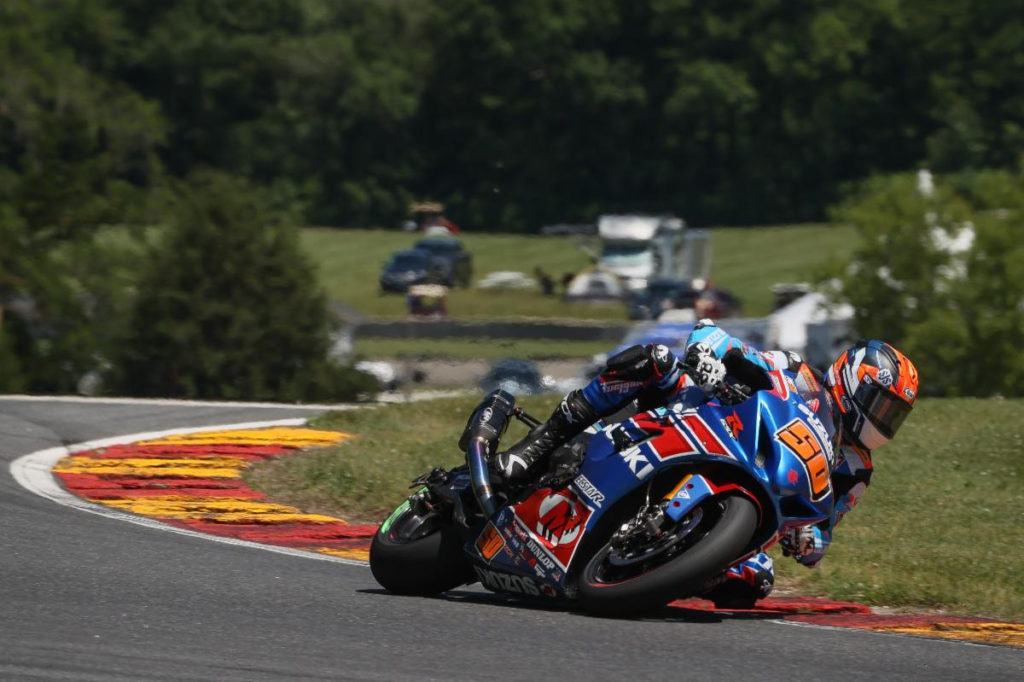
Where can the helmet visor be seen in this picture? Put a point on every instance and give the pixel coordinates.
(882, 407)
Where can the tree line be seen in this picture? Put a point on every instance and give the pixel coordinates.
(142, 142)
(513, 114)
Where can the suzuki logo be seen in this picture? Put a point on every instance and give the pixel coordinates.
(637, 462)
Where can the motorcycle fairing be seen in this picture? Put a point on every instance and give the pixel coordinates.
(773, 436)
(534, 540)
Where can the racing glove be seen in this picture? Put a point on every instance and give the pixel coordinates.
(806, 544)
(706, 369)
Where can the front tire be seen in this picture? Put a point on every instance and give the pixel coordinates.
(606, 589)
(418, 554)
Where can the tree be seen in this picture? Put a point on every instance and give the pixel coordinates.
(942, 277)
(229, 307)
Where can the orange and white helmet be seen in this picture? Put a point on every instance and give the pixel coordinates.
(875, 387)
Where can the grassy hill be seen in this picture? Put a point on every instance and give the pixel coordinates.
(747, 261)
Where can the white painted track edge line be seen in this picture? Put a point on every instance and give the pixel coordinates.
(34, 473)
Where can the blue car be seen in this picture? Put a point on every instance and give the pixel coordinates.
(406, 268)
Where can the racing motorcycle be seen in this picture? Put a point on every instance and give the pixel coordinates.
(631, 515)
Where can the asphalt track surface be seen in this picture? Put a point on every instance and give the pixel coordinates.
(85, 597)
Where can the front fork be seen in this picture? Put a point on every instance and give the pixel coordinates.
(680, 507)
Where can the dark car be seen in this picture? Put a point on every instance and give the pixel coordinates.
(406, 268)
(661, 295)
(518, 377)
(451, 261)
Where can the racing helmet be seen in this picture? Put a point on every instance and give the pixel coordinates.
(875, 386)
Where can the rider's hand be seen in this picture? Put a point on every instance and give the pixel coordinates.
(798, 542)
(706, 370)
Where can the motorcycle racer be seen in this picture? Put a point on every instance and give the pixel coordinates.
(869, 390)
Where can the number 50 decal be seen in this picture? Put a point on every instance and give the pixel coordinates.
(801, 440)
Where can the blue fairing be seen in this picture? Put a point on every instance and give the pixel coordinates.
(759, 448)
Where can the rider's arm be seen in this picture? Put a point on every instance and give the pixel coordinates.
(743, 363)
(651, 368)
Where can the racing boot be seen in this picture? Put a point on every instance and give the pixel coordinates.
(742, 585)
(522, 462)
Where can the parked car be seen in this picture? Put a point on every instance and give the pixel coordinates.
(406, 268)
(453, 263)
(665, 295)
(518, 377)
(659, 296)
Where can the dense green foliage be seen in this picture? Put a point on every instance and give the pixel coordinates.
(514, 114)
(228, 307)
(942, 276)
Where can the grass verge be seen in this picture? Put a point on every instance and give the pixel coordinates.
(942, 525)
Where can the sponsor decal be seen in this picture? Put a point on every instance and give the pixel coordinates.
(489, 543)
(620, 386)
(716, 337)
(819, 431)
(661, 353)
(885, 377)
(555, 521)
(503, 582)
(540, 555)
(486, 414)
(733, 425)
(558, 520)
(909, 393)
(847, 405)
(589, 490)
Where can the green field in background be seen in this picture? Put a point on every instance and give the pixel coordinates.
(941, 526)
(746, 261)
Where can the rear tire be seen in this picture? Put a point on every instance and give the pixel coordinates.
(419, 556)
(602, 592)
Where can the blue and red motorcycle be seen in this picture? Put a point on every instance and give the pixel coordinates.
(631, 515)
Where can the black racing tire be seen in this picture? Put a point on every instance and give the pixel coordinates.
(722, 543)
(424, 566)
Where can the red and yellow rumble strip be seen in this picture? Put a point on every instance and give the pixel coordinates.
(818, 611)
(194, 481)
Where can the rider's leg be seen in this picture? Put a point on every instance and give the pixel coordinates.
(520, 462)
(636, 369)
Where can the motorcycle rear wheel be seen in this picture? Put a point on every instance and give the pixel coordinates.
(417, 554)
(606, 590)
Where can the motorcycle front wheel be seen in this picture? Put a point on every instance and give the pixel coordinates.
(417, 553)
(615, 583)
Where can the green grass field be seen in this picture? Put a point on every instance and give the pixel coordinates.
(747, 261)
(942, 525)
